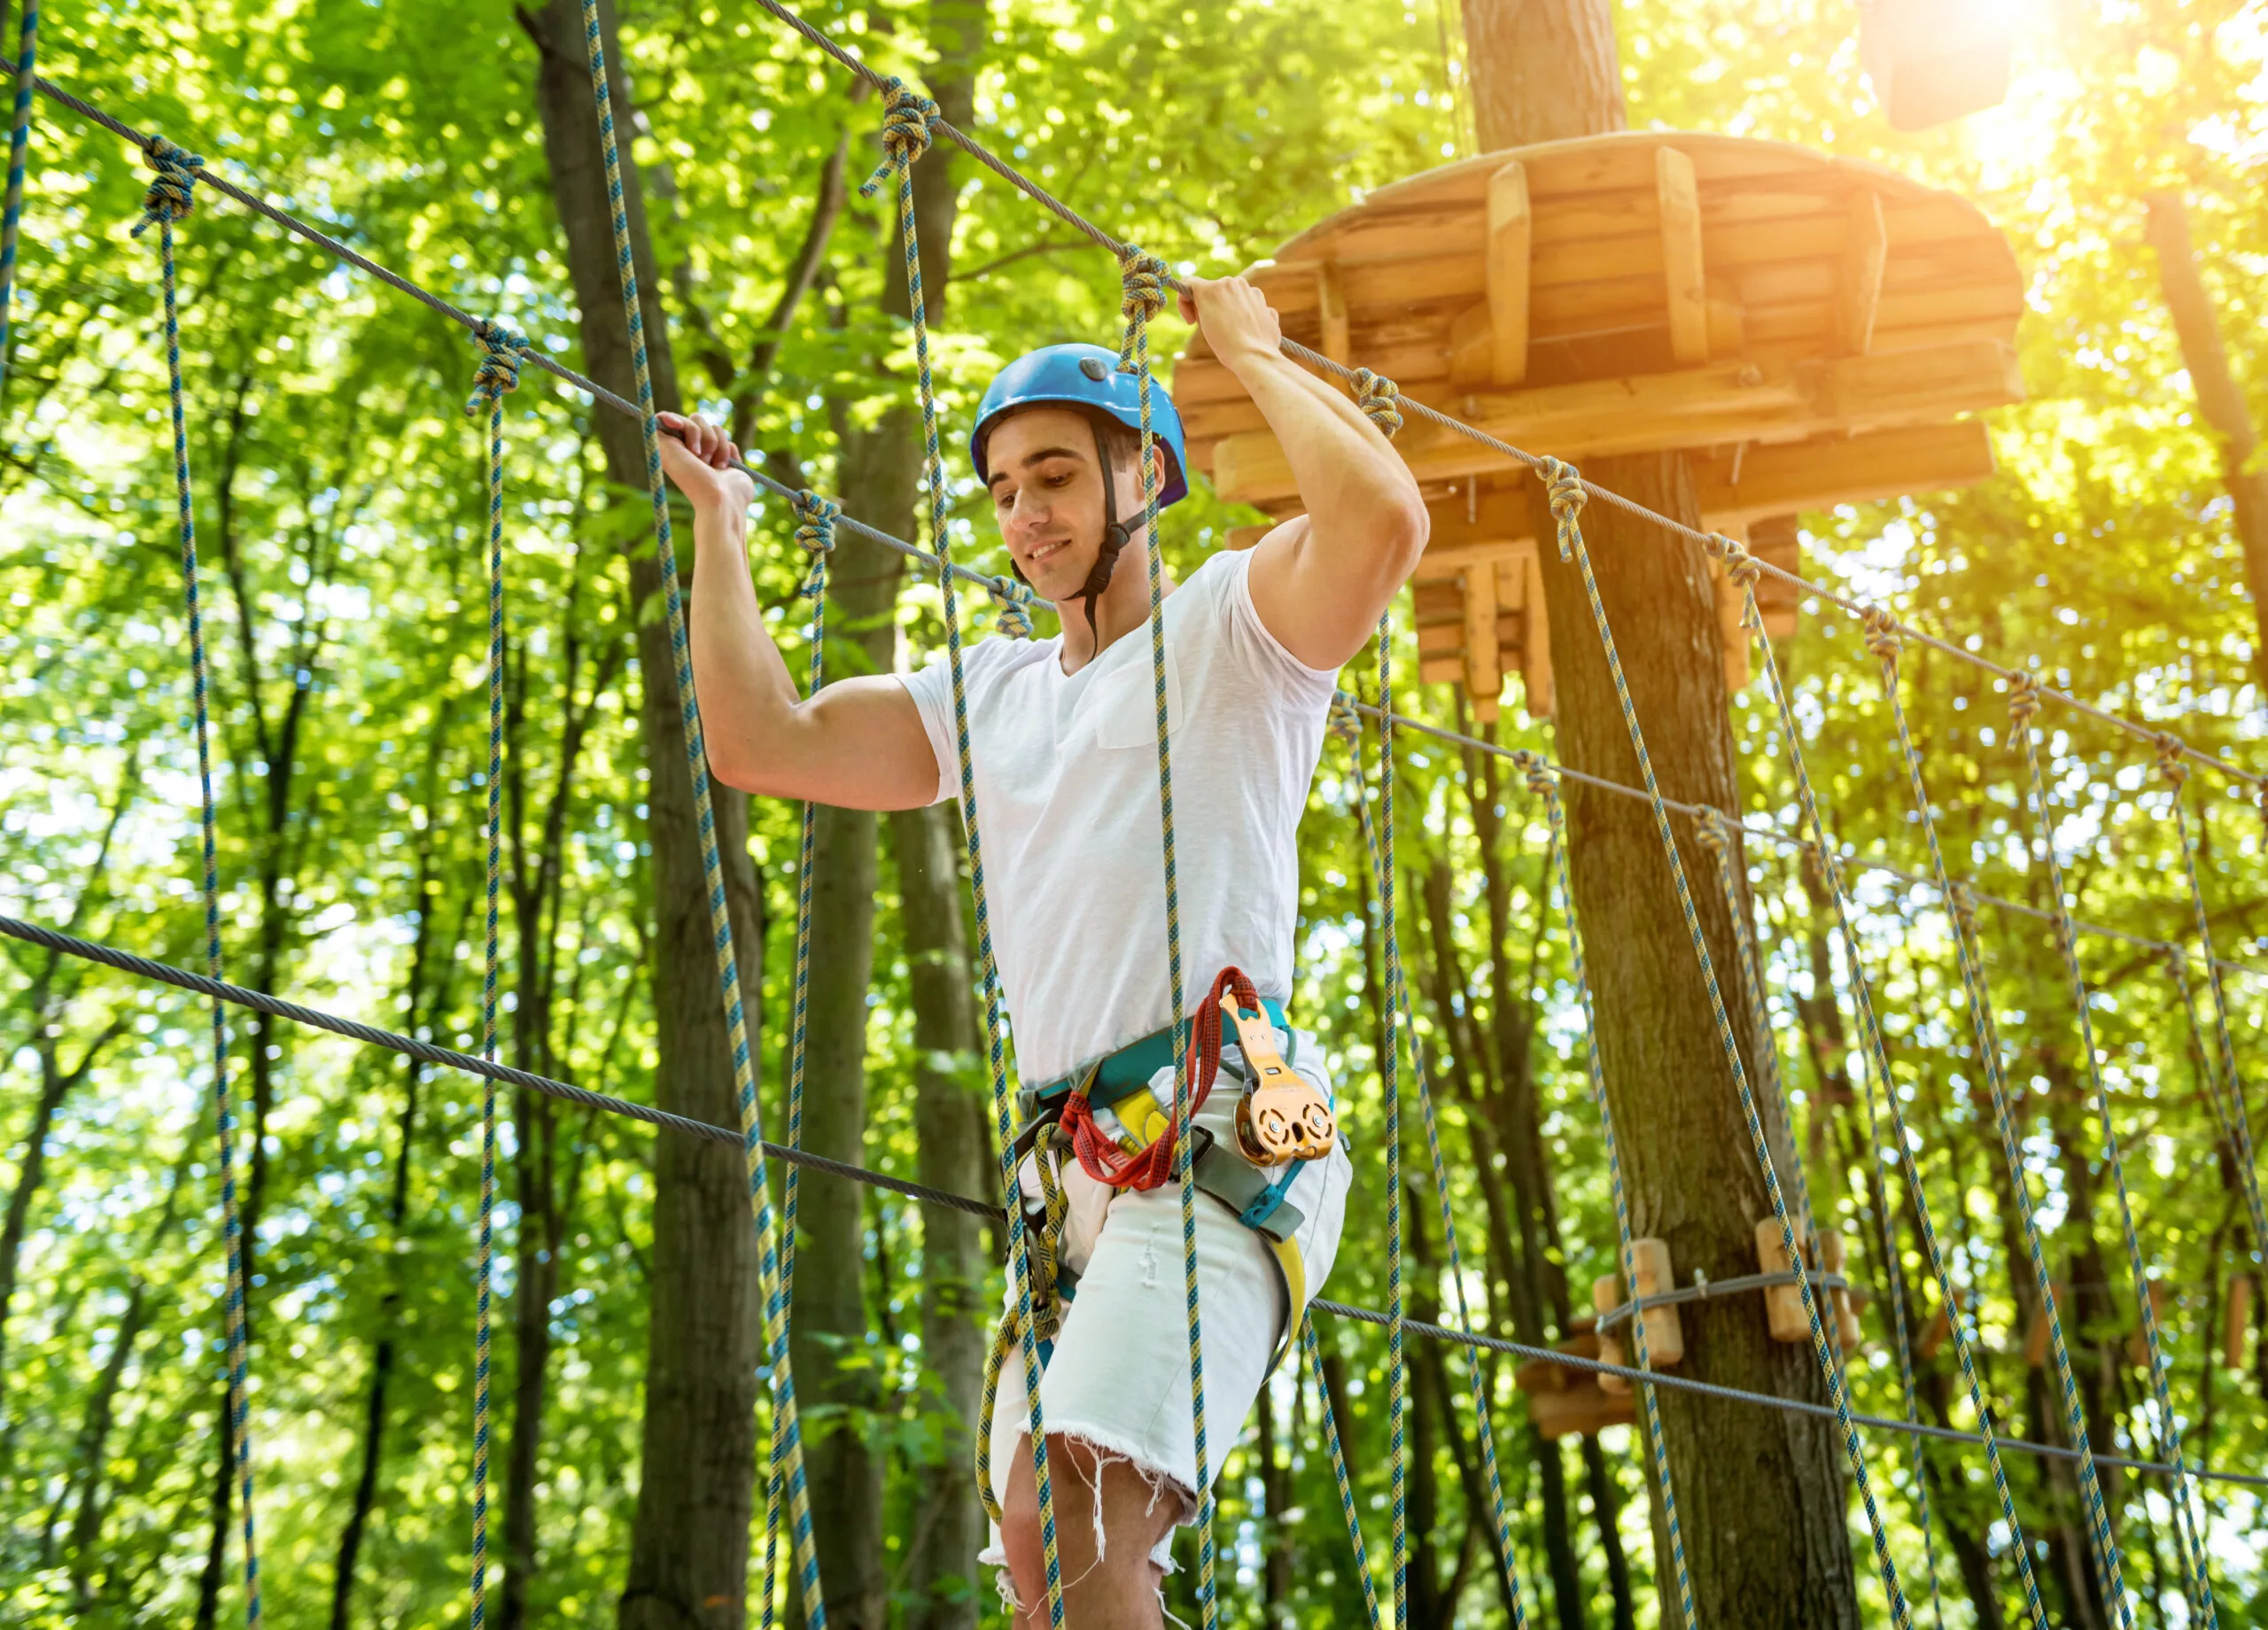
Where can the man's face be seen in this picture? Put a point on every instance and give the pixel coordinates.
(1047, 496)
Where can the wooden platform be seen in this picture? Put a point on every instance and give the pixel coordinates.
(1812, 330)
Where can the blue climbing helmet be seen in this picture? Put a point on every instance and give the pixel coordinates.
(1087, 377)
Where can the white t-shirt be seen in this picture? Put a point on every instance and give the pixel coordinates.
(1066, 796)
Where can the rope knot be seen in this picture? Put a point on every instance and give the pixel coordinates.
(1822, 865)
(2023, 700)
(815, 517)
(1963, 899)
(907, 116)
(1743, 568)
(171, 195)
(1534, 772)
(1712, 833)
(1883, 642)
(1345, 724)
(498, 370)
(1141, 296)
(1563, 485)
(1377, 396)
(2176, 963)
(1013, 616)
(2173, 757)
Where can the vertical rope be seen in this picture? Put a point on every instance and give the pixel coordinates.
(170, 198)
(1142, 295)
(1566, 494)
(906, 136)
(815, 518)
(1390, 1086)
(1314, 1350)
(696, 759)
(2023, 706)
(498, 373)
(1538, 775)
(19, 132)
(2175, 768)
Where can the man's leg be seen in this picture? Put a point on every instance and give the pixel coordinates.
(1112, 1586)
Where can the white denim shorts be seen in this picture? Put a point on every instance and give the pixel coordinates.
(1119, 1377)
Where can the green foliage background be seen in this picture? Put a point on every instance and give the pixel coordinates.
(344, 584)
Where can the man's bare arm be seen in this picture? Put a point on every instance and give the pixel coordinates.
(1319, 582)
(857, 744)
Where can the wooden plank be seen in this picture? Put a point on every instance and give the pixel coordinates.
(1472, 348)
(1832, 1258)
(1484, 681)
(1443, 639)
(1536, 648)
(1507, 272)
(2239, 1315)
(1866, 252)
(1449, 563)
(1784, 1304)
(1330, 306)
(1685, 290)
(1500, 511)
(1894, 387)
(1440, 670)
(1817, 475)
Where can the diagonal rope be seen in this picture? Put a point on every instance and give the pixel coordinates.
(1566, 494)
(499, 372)
(2024, 707)
(815, 518)
(1314, 1350)
(171, 198)
(696, 762)
(1541, 783)
(2237, 1124)
(20, 130)
(906, 136)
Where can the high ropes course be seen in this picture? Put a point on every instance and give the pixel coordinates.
(911, 125)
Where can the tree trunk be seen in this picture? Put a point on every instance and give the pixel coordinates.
(689, 1537)
(1761, 1496)
(2220, 399)
(953, 1153)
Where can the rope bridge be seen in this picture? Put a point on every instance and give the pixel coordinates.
(910, 123)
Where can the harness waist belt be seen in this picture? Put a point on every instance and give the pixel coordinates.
(1118, 1074)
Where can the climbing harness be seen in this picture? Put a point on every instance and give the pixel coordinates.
(721, 923)
(499, 372)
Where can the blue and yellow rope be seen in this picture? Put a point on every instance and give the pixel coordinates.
(775, 1308)
(1566, 494)
(20, 131)
(1314, 1351)
(499, 372)
(171, 198)
(906, 136)
(2023, 706)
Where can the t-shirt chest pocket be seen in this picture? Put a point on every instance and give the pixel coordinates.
(1125, 703)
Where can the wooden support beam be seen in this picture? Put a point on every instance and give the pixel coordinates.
(1858, 294)
(1679, 197)
(1331, 304)
(1784, 1304)
(2240, 1316)
(1718, 405)
(1665, 1336)
(1579, 1410)
(1510, 235)
(1484, 681)
(1536, 647)
(1792, 478)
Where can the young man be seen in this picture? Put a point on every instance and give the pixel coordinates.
(1063, 737)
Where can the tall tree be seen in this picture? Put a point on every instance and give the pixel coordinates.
(1760, 1492)
(688, 1542)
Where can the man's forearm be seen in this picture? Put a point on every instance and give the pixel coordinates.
(1357, 493)
(748, 697)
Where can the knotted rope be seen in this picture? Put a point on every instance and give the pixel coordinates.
(173, 192)
(1344, 722)
(164, 206)
(1403, 1018)
(1012, 613)
(2024, 707)
(1141, 296)
(907, 116)
(1883, 642)
(1565, 493)
(498, 372)
(721, 923)
(1378, 397)
(905, 133)
(11, 212)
